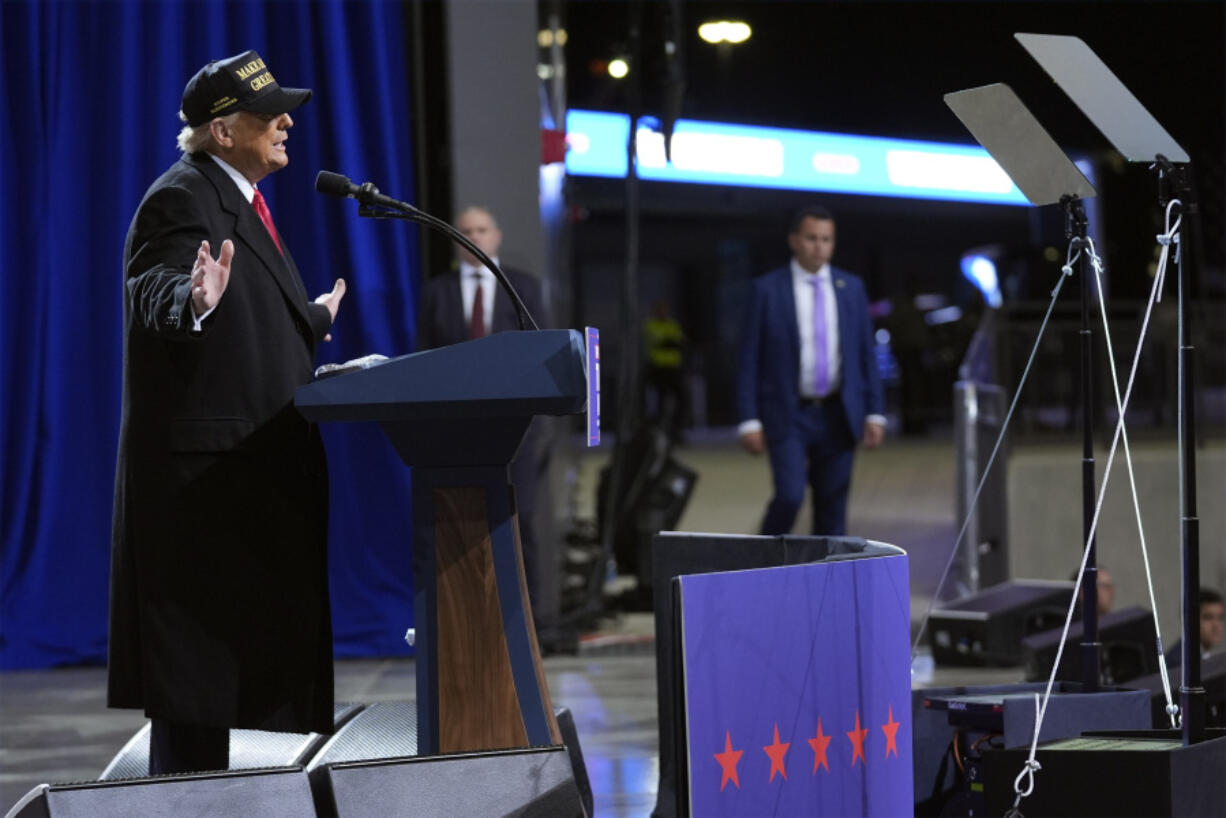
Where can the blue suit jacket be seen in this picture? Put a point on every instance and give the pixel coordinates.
(769, 358)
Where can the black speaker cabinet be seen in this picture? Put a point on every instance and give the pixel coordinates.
(364, 734)
(986, 628)
(1212, 679)
(1129, 649)
(534, 783)
(249, 749)
(274, 793)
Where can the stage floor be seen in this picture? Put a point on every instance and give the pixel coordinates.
(54, 726)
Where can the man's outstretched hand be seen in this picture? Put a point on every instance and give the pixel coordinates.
(332, 300)
(210, 276)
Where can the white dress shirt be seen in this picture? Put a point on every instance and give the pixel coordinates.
(470, 275)
(802, 287)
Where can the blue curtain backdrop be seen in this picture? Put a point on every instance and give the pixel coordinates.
(89, 117)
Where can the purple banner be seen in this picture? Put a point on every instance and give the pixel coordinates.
(798, 689)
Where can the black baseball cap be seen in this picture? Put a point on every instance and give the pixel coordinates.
(239, 83)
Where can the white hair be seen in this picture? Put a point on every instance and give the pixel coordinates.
(193, 139)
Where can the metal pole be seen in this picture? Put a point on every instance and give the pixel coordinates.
(1191, 692)
(1091, 648)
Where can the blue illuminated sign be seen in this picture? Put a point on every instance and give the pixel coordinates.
(723, 154)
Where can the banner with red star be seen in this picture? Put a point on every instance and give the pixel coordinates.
(798, 689)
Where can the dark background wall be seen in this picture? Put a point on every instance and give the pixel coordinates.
(881, 69)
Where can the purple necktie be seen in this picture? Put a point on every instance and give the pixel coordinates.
(821, 368)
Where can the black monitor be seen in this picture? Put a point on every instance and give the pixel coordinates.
(1129, 648)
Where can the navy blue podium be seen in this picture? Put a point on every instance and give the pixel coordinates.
(457, 415)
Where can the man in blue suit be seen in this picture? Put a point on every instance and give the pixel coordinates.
(807, 385)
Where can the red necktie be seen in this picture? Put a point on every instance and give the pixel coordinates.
(477, 329)
(261, 207)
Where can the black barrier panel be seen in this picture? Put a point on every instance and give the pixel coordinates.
(278, 793)
(535, 783)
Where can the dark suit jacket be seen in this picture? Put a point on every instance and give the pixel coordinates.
(442, 320)
(769, 357)
(442, 323)
(219, 587)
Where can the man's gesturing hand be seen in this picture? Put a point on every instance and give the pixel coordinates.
(209, 277)
(332, 300)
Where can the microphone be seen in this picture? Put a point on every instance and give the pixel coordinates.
(333, 184)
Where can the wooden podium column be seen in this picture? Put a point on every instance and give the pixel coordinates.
(480, 683)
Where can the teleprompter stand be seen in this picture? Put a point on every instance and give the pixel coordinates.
(457, 414)
(1045, 175)
(1134, 772)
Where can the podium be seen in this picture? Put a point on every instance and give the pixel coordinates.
(457, 415)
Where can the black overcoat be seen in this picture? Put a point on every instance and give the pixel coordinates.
(219, 588)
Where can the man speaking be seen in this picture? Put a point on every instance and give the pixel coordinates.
(219, 584)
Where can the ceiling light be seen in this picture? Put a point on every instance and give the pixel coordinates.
(546, 37)
(725, 31)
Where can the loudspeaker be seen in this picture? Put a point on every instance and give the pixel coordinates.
(652, 496)
(1129, 649)
(371, 735)
(522, 783)
(249, 749)
(1212, 679)
(273, 793)
(987, 628)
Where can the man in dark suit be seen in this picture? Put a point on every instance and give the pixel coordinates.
(467, 303)
(807, 385)
(219, 585)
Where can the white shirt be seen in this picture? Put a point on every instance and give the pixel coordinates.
(802, 287)
(248, 190)
(244, 185)
(470, 275)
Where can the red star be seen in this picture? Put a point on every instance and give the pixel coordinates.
(857, 737)
(890, 728)
(819, 744)
(776, 751)
(728, 760)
